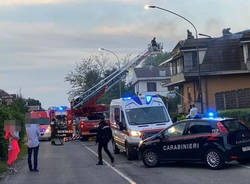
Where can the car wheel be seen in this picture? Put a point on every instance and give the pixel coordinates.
(150, 158)
(129, 153)
(84, 138)
(214, 159)
(115, 148)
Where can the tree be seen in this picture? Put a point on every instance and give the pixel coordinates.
(33, 102)
(90, 71)
(86, 74)
(156, 60)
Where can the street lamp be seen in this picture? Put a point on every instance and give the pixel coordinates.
(110, 51)
(196, 37)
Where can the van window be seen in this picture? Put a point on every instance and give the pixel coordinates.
(117, 114)
(147, 115)
(123, 121)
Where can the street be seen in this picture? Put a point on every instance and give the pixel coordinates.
(75, 162)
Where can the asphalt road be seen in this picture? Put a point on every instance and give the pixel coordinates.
(75, 163)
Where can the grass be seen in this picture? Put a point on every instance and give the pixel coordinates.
(3, 166)
(23, 152)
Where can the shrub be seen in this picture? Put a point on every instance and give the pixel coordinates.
(15, 111)
(241, 114)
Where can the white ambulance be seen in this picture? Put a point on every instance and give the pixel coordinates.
(133, 119)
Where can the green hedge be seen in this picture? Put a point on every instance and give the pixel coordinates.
(241, 114)
(16, 111)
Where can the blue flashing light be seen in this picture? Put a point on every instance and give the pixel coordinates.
(211, 114)
(148, 99)
(127, 98)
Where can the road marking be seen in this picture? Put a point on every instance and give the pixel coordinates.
(114, 169)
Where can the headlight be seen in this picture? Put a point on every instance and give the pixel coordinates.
(135, 133)
(47, 130)
(140, 143)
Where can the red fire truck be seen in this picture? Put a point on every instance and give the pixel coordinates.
(64, 118)
(42, 118)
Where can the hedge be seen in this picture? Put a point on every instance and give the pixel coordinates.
(16, 111)
(241, 114)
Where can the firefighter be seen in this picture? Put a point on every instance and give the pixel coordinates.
(53, 131)
(104, 135)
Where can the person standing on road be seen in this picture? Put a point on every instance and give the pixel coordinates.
(33, 132)
(53, 131)
(13, 149)
(193, 112)
(104, 135)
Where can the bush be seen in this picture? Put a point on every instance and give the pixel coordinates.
(241, 114)
(16, 111)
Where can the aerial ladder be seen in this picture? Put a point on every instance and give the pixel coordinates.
(88, 98)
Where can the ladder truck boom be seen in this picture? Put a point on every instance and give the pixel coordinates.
(90, 96)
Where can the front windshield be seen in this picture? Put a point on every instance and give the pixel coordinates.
(147, 115)
(40, 121)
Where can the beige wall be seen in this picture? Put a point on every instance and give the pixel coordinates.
(224, 83)
(214, 85)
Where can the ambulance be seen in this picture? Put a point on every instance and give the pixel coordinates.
(135, 118)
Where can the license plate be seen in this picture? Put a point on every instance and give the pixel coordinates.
(62, 131)
(247, 148)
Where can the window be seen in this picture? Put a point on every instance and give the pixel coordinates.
(151, 86)
(117, 115)
(194, 59)
(199, 128)
(234, 125)
(123, 121)
(175, 131)
(248, 49)
(147, 115)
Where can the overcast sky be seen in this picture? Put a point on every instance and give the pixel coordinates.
(41, 40)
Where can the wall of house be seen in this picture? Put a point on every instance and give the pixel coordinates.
(141, 88)
(190, 95)
(221, 84)
(210, 86)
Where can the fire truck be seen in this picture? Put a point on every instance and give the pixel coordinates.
(84, 108)
(64, 119)
(42, 118)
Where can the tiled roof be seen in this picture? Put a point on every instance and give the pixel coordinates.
(3, 93)
(151, 71)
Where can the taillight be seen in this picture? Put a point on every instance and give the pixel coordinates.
(222, 128)
(82, 125)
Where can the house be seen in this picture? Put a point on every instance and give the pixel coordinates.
(8, 98)
(150, 80)
(223, 69)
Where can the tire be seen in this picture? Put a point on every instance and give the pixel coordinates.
(115, 148)
(84, 138)
(150, 158)
(129, 152)
(214, 159)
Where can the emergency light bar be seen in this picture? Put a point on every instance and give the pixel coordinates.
(148, 99)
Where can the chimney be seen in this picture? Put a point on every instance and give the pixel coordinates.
(226, 32)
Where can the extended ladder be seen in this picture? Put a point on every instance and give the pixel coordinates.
(104, 85)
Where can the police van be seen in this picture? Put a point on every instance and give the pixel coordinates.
(213, 141)
(135, 118)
